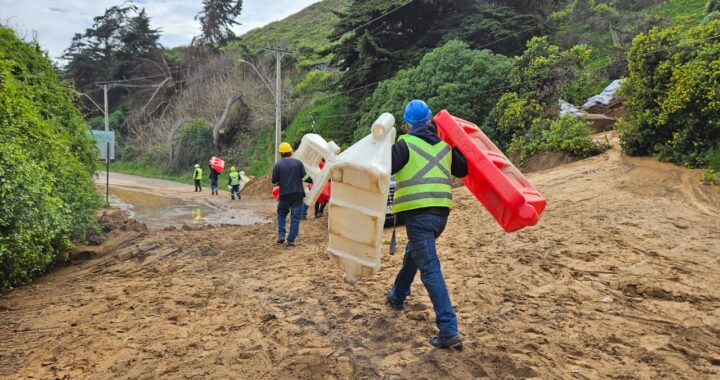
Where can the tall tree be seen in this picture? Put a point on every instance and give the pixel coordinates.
(378, 37)
(216, 20)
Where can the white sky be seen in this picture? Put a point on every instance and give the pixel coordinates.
(56, 21)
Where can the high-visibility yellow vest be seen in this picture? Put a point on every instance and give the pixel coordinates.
(198, 173)
(234, 178)
(425, 180)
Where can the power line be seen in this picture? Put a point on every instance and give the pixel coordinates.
(510, 36)
(371, 21)
(140, 78)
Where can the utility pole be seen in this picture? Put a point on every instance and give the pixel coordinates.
(107, 117)
(279, 54)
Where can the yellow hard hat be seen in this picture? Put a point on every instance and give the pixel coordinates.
(285, 148)
(232, 169)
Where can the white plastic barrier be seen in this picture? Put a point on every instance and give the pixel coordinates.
(313, 149)
(361, 181)
(244, 180)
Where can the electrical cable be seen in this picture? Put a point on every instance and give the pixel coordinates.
(371, 21)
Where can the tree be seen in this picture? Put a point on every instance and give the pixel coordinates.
(216, 21)
(389, 35)
(452, 77)
(121, 44)
(712, 10)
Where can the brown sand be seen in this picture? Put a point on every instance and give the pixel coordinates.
(619, 280)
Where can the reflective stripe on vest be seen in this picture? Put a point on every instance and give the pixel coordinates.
(425, 180)
(234, 178)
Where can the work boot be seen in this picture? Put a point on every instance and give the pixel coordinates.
(394, 304)
(291, 243)
(453, 341)
(280, 240)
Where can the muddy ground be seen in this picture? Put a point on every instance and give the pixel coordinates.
(619, 280)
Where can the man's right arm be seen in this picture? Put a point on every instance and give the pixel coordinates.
(400, 156)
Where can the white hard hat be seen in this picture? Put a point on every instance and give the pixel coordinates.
(197, 165)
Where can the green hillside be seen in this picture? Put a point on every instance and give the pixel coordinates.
(308, 31)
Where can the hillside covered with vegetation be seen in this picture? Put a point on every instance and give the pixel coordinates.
(504, 65)
(308, 32)
(47, 161)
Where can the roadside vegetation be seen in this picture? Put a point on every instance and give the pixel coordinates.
(47, 161)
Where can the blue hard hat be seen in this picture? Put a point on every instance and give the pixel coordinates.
(417, 112)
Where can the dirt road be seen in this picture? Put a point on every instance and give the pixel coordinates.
(619, 280)
(159, 203)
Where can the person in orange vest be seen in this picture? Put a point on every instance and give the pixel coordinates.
(422, 164)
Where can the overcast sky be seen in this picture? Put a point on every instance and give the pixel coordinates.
(56, 21)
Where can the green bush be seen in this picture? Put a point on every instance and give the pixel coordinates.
(194, 145)
(671, 102)
(566, 134)
(47, 162)
(452, 77)
(511, 116)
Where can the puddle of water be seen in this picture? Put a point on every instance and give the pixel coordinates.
(159, 212)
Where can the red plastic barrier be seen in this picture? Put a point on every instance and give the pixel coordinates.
(276, 193)
(217, 164)
(325, 195)
(509, 197)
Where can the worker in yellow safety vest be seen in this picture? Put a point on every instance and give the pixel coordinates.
(422, 164)
(234, 183)
(197, 176)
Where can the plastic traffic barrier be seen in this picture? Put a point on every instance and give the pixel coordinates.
(509, 197)
(360, 185)
(217, 164)
(276, 193)
(312, 151)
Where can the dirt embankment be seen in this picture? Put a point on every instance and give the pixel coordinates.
(619, 280)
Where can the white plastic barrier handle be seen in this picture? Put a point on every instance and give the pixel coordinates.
(383, 125)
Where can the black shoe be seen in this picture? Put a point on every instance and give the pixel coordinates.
(280, 240)
(392, 302)
(290, 243)
(453, 341)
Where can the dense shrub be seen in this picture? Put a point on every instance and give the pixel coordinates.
(46, 164)
(671, 94)
(522, 121)
(195, 146)
(452, 77)
(511, 116)
(567, 134)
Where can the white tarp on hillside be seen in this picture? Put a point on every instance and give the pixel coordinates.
(569, 109)
(605, 97)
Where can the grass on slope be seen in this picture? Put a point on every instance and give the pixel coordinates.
(307, 31)
(678, 8)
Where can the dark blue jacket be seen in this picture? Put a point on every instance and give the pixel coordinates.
(289, 174)
(213, 174)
